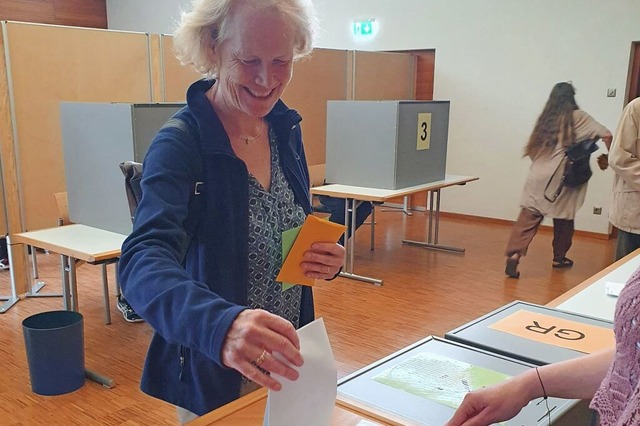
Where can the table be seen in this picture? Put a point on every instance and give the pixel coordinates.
(357, 194)
(249, 411)
(589, 297)
(77, 243)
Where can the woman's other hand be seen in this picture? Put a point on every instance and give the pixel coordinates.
(490, 405)
(323, 261)
(251, 341)
(603, 161)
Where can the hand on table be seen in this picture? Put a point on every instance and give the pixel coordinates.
(489, 405)
(252, 338)
(323, 261)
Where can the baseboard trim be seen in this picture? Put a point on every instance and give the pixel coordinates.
(544, 228)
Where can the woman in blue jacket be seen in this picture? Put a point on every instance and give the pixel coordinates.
(221, 181)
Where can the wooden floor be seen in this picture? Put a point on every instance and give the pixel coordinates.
(425, 292)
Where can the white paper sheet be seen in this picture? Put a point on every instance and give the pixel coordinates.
(613, 289)
(311, 398)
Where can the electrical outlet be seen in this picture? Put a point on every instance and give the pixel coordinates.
(597, 210)
(611, 93)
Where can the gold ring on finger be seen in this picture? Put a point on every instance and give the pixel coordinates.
(261, 358)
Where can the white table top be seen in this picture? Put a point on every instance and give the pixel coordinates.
(78, 241)
(592, 299)
(381, 195)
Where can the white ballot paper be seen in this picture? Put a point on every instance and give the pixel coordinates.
(311, 398)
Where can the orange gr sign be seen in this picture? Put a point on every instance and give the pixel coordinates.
(556, 331)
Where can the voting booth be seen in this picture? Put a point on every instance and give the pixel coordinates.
(423, 384)
(386, 144)
(96, 138)
(535, 334)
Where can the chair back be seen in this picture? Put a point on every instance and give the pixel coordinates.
(132, 176)
(62, 205)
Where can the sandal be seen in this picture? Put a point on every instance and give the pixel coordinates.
(512, 267)
(565, 262)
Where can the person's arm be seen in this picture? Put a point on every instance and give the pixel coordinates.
(623, 155)
(574, 379)
(607, 138)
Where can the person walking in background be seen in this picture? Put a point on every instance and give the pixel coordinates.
(623, 159)
(561, 124)
(202, 271)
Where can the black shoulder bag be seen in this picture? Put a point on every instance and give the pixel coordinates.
(574, 167)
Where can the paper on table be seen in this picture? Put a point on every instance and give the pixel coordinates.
(613, 289)
(313, 230)
(312, 397)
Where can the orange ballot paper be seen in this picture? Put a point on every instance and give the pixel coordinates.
(314, 230)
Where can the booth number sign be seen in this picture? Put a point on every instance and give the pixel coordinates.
(424, 130)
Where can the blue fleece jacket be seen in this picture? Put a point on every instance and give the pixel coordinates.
(184, 267)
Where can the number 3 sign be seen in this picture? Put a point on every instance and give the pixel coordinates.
(424, 130)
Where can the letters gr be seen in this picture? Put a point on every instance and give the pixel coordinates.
(560, 333)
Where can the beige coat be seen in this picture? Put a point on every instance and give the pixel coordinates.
(542, 168)
(623, 159)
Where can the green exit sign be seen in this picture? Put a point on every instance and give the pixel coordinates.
(363, 28)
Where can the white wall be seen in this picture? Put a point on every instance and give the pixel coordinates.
(148, 16)
(496, 61)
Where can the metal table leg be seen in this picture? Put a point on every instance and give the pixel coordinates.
(72, 286)
(13, 298)
(36, 286)
(347, 271)
(433, 229)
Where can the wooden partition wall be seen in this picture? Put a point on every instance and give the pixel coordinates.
(47, 65)
(383, 76)
(321, 77)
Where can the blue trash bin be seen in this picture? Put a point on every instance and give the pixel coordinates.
(55, 351)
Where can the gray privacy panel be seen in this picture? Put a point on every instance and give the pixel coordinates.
(374, 143)
(96, 138)
(413, 409)
(414, 166)
(360, 143)
(147, 120)
(477, 333)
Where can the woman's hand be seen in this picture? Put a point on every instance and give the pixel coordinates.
(323, 261)
(250, 342)
(490, 405)
(603, 161)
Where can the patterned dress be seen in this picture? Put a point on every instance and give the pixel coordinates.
(271, 213)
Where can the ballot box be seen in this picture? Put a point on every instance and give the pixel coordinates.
(535, 334)
(386, 144)
(423, 383)
(96, 138)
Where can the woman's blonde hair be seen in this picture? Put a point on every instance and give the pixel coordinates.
(206, 26)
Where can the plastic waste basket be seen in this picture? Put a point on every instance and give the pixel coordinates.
(54, 342)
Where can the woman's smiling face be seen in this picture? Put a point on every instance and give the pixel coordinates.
(255, 62)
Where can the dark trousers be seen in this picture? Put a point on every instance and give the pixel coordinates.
(627, 242)
(526, 227)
